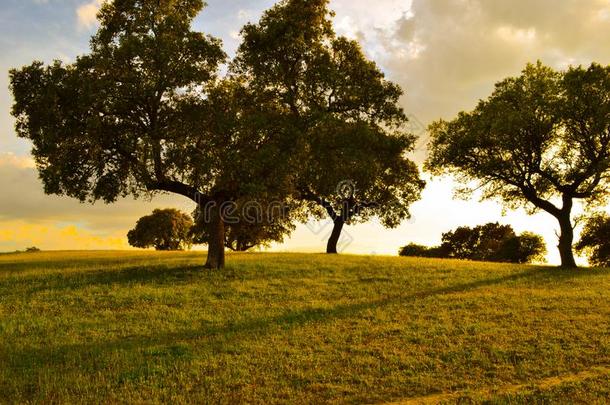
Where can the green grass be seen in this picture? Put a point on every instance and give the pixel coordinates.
(273, 328)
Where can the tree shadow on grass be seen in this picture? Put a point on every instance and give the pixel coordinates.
(53, 264)
(158, 275)
(176, 271)
(217, 335)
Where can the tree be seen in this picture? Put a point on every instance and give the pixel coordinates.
(465, 243)
(542, 136)
(595, 240)
(525, 248)
(483, 242)
(490, 242)
(144, 113)
(167, 229)
(349, 125)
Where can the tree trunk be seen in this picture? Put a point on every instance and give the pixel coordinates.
(331, 247)
(566, 241)
(216, 245)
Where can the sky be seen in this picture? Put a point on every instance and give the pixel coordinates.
(446, 55)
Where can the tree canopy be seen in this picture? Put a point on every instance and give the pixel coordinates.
(541, 140)
(145, 111)
(349, 126)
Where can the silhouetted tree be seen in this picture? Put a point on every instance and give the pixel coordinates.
(490, 242)
(483, 242)
(540, 136)
(144, 113)
(595, 240)
(349, 125)
(167, 229)
(524, 248)
(415, 250)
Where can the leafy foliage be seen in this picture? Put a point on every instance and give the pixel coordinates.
(109, 124)
(167, 229)
(540, 136)
(490, 242)
(595, 240)
(345, 113)
(415, 250)
(251, 224)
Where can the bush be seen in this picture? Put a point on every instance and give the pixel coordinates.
(525, 248)
(167, 229)
(490, 242)
(415, 250)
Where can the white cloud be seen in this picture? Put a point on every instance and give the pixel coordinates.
(87, 14)
(371, 24)
(449, 53)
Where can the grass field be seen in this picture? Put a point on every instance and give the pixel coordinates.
(273, 328)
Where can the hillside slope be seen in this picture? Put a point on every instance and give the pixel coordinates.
(151, 327)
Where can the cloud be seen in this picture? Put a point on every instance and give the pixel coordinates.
(87, 14)
(23, 199)
(369, 24)
(14, 161)
(449, 53)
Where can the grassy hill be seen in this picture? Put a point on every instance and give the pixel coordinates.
(150, 327)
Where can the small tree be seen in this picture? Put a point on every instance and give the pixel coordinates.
(343, 112)
(595, 240)
(540, 137)
(482, 242)
(525, 248)
(167, 229)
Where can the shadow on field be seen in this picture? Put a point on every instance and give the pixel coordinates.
(215, 336)
(69, 277)
(52, 265)
(163, 274)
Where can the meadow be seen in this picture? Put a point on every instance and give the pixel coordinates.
(147, 327)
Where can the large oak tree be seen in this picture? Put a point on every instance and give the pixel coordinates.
(351, 130)
(542, 139)
(144, 112)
